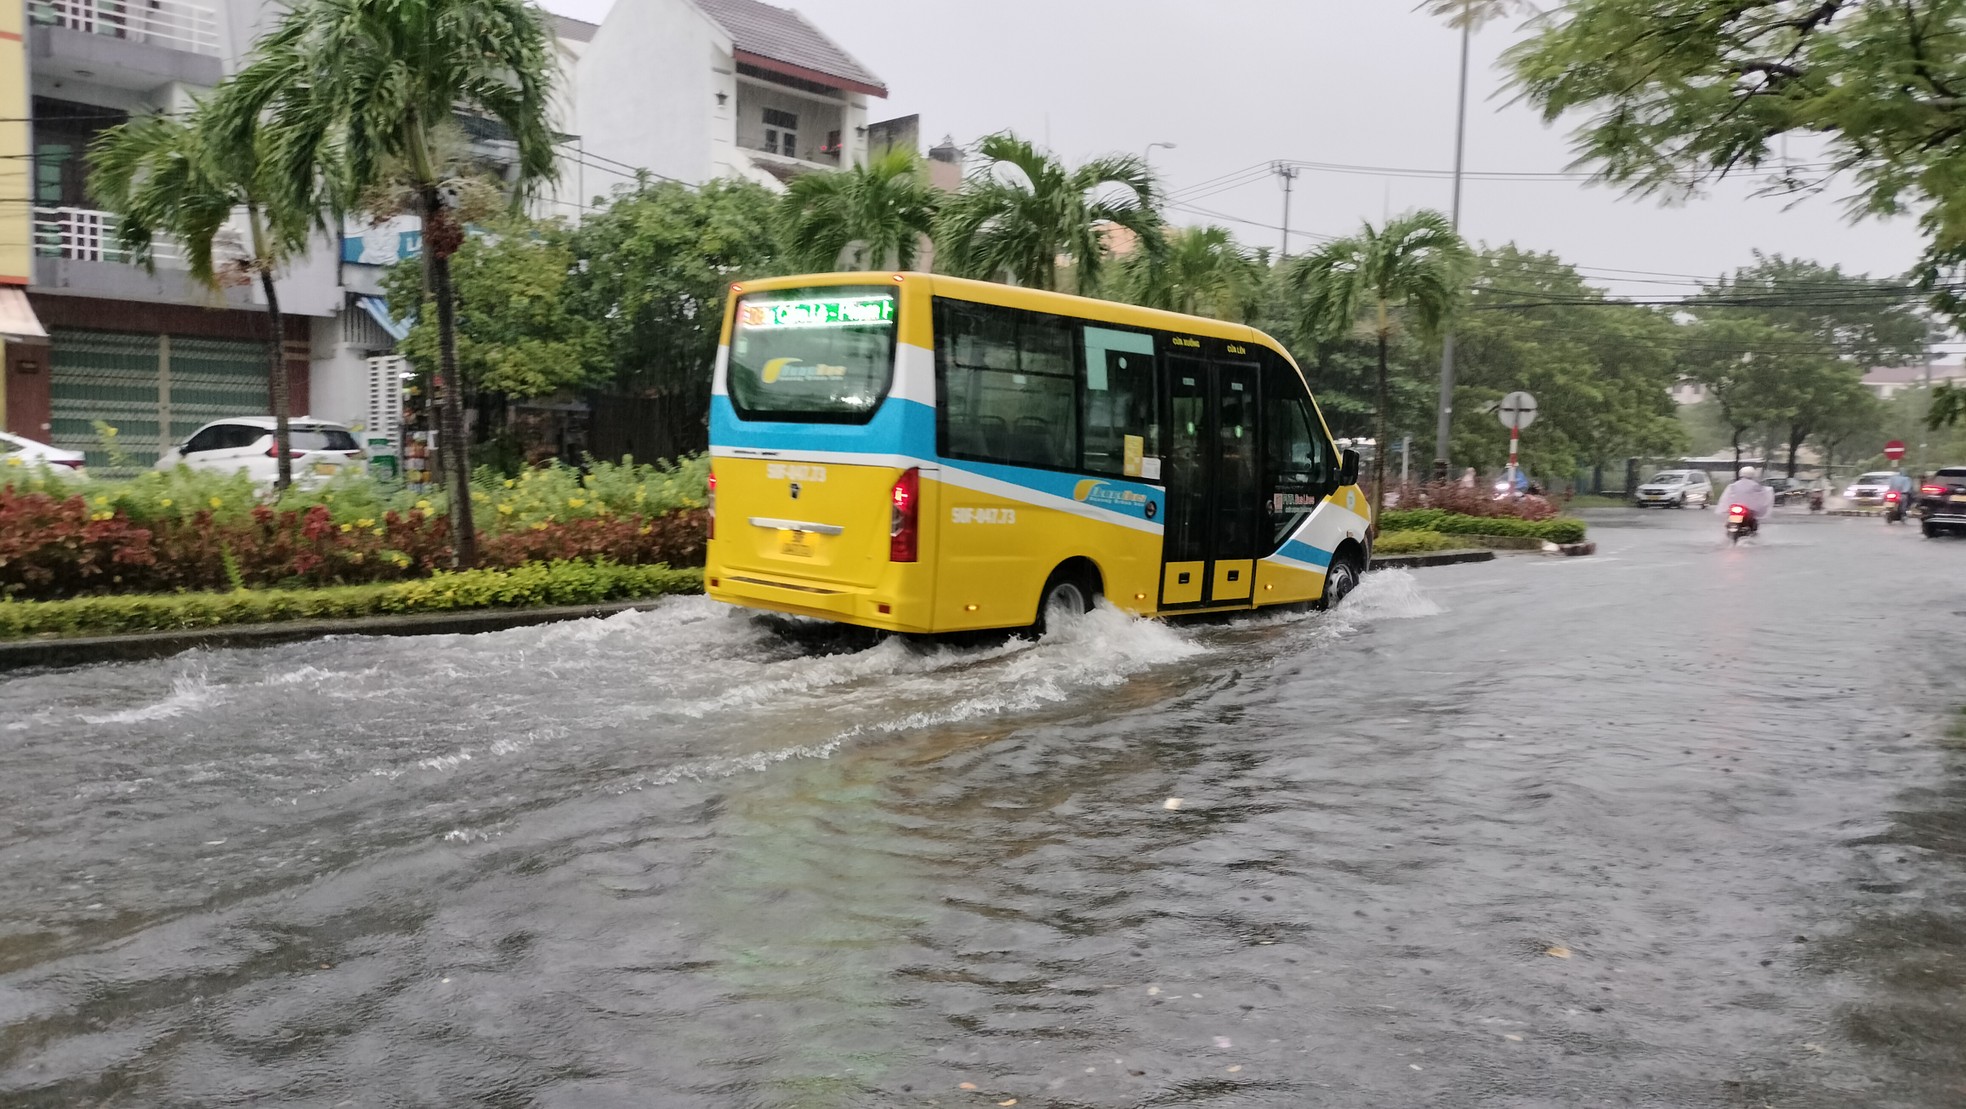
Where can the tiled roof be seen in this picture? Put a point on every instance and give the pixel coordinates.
(784, 36)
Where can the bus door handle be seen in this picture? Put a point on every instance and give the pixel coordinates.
(796, 525)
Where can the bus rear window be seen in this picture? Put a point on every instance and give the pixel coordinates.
(822, 354)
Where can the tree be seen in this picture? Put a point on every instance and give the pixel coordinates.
(654, 272)
(186, 179)
(357, 92)
(1746, 366)
(1948, 406)
(1683, 91)
(1413, 268)
(1202, 271)
(1850, 316)
(515, 334)
(1601, 371)
(1024, 211)
(869, 217)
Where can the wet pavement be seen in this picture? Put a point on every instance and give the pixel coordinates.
(1675, 825)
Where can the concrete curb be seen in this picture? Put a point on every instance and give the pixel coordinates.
(51, 651)
(1430, 558)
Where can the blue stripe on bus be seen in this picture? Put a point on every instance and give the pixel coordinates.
(898, 427)
(1303, 552)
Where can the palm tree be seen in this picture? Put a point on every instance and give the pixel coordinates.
(1202, 271)
(1414, 267)
(1020, 226)
(180, 178)
(867, 217)
(361, 93)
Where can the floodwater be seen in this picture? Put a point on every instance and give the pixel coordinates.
(1677, 825)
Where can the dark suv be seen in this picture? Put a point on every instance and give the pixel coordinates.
(1942, 501)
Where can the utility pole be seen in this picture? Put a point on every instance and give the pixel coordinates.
(1289, 174)
(1445, 425)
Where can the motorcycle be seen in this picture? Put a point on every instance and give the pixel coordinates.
(1740, 523)
(1894, 507)
(1815, 500)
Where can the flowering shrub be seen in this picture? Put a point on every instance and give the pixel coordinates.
(1477, 501)
(53, 548)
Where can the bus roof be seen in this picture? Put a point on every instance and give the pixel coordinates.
(1033, 300)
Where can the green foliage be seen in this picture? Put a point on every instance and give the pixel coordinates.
(1948, 407)
(863, 218)
(553, 494)
(544, 584)
(659, 263)
(1024, 210)
(1600, 370)
(1411, 272)
(1560, 529)
(1202, 271)
(1674, 92)
(1410, 542)
(514, 333)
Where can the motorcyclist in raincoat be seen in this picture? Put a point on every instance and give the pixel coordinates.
(1757, 498)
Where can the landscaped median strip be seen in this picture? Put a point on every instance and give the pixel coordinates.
(537, 585)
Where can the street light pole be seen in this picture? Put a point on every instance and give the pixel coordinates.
(1444, 426)
(1147, 158)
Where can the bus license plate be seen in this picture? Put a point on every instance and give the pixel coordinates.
(1959, 498)
(795, 545)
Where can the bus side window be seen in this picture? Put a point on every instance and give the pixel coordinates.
(1008, 385)
(1298, 458)
(1121, 399)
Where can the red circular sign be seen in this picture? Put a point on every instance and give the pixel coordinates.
(1894, 450)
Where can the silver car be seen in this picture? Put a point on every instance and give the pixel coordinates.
(1870, 488)
(1675, 489)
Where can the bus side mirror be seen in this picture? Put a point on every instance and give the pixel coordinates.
(1348, 468)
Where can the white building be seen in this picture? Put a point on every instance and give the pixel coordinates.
(1889, 381)
(699, 89)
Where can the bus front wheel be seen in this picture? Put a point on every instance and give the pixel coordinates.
(1068, 594)
(1341, 578)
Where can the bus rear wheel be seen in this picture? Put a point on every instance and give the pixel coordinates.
(1068, 595)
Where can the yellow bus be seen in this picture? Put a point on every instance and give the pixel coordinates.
(921, 453)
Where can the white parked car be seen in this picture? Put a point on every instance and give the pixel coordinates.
(1675, 489)
(16, 450)
(319, 449)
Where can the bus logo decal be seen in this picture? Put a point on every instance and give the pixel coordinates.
(791, 369)
(1096, 492)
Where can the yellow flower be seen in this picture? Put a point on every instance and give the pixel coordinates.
(102, 500)
(509, 483)
(402, 561)
(15, 460)
(348, 527)
(576, 502)
(646, 529)
(424, 505)
(365, 522)
(217, 502)
(166, 502)
(376, 531)
(505, 510)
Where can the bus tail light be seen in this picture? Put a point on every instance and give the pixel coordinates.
(904, 530)
(711, 504)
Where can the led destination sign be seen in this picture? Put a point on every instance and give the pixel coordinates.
(861, 311)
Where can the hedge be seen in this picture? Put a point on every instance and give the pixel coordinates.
(540, 584)
(1410, 542)
(1562, 529)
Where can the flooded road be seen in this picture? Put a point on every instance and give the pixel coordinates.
(1676, 825)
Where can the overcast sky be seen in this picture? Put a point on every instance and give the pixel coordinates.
(1236, 84)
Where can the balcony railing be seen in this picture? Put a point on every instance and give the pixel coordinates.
(90, 236)
(172, 24)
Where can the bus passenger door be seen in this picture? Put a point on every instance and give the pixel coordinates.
(1210, 540)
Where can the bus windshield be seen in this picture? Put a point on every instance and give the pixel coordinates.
(823, 354)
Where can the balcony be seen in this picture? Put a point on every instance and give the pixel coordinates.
(173, 24)
(133, 45)
(88, 235)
